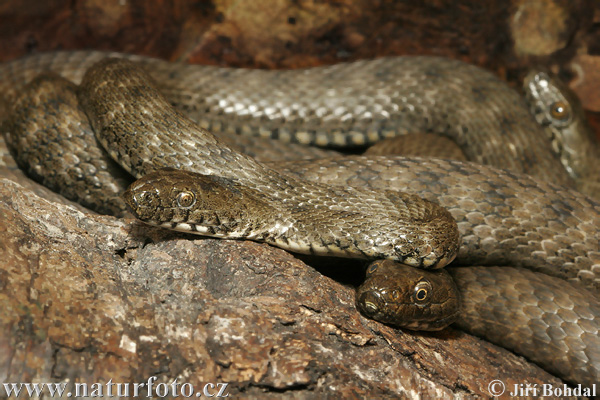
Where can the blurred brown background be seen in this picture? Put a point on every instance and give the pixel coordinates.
(507, 37)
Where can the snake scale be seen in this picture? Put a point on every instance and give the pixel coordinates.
(504, 218)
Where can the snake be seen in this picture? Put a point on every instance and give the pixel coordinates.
(504, 217)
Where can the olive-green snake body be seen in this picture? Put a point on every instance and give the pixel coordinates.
(504, 218)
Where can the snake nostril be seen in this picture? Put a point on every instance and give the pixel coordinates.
(142, 198)
(146, 199)
(370, 302)
(142, 203)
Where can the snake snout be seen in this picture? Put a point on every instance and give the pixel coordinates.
(370, 303)
(142, 200)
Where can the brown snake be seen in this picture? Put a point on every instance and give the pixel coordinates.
(504, 217)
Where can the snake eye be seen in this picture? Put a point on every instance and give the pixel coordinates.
(372, 268)
(560, 110)
(186, 199)
(422, 293)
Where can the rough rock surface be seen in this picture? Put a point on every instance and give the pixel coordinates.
(88, 298)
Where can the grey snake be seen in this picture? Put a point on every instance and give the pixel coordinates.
(504, 218)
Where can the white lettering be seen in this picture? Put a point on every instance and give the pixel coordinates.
(97, 390)
(56, 388)
(136, 388)
(187, 390)
(151, 380)
(222, 390)
(121, 393)
(205, 390)
(546, 389)
(109, 386)
(12, 388)
(162, 390)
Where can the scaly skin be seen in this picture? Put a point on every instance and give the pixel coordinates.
(502, 215)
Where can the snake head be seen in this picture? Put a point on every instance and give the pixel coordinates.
(558, 110)
(190, 202)
(408, 297)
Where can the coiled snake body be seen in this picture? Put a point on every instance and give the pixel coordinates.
(504, 217)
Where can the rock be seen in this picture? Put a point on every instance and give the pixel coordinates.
(585, 84)
(89, 298)
(542, 27)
